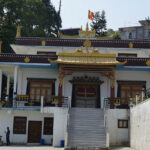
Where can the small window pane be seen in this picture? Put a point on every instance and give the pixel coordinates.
(49, 92)
(122, 123)
(36, 85)
(46, 85)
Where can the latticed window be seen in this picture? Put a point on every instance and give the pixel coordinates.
(129, 89)
(48, 126)
(19, 125)
(40, 87)
(122, 123)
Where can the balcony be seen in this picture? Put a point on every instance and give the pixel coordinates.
(23, 101)
(117, 103)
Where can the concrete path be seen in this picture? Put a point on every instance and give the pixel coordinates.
(47, 148)
(29, 148)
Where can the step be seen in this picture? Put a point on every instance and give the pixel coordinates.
(86, 128)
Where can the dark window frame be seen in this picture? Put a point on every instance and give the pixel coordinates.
(22, 125)
(46, 53)
(123, 120)
(48, 126)
(127, 55)
(130, 35)
(130, 85)
(40, 81)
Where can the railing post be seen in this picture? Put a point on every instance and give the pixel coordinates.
(107, 139)
(42, 103)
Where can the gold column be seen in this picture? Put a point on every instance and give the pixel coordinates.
(112, 90)
(18, 31)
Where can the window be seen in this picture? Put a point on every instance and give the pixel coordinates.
(127, 55)
(40, 87)
(130, 35)
(129, 89)
(48, 126)
(149, 34)
(19, 125)
(46, 53)
(122, 123)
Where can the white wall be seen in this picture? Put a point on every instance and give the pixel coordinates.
(20, 49)
(59, 128)
(6, 120)
(140, 126)
(118, 136)
(133, 76)
(25, 73)
(60, 123)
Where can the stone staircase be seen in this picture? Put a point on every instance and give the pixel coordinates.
(86, 128)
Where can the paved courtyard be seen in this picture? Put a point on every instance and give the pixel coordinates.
(46, 148)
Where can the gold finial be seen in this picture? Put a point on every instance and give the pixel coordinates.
(87, 44)
(27, 60)
(43, 43)
(0, 47)
(148, 62)
(87, 27)
(130, 45)
(18, 31)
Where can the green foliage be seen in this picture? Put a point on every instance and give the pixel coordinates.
(99, 23)
(116, 34)
(110, 32)
(38, 18)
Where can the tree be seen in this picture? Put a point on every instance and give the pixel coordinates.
(37, 18)
(99, 23)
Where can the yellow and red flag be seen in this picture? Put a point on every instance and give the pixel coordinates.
(90, 15)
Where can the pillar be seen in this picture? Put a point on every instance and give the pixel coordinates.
(15, 84)
(8, 85)
(60, 90)
(112, 93)
(1, 84)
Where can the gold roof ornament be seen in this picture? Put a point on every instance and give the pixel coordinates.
(87, 33)
(0, 46)
(87, 27)
(27, 60)
(43, 43)
(18, 31)
(148, 62)
(82, 57)
(87, 45)
(130, 45)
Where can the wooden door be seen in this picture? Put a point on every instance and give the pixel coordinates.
(86, 96)
(34, 131)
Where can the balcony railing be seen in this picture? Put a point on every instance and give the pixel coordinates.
(24, 101)
(116, 100)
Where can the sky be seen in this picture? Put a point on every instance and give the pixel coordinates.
(119, 13)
